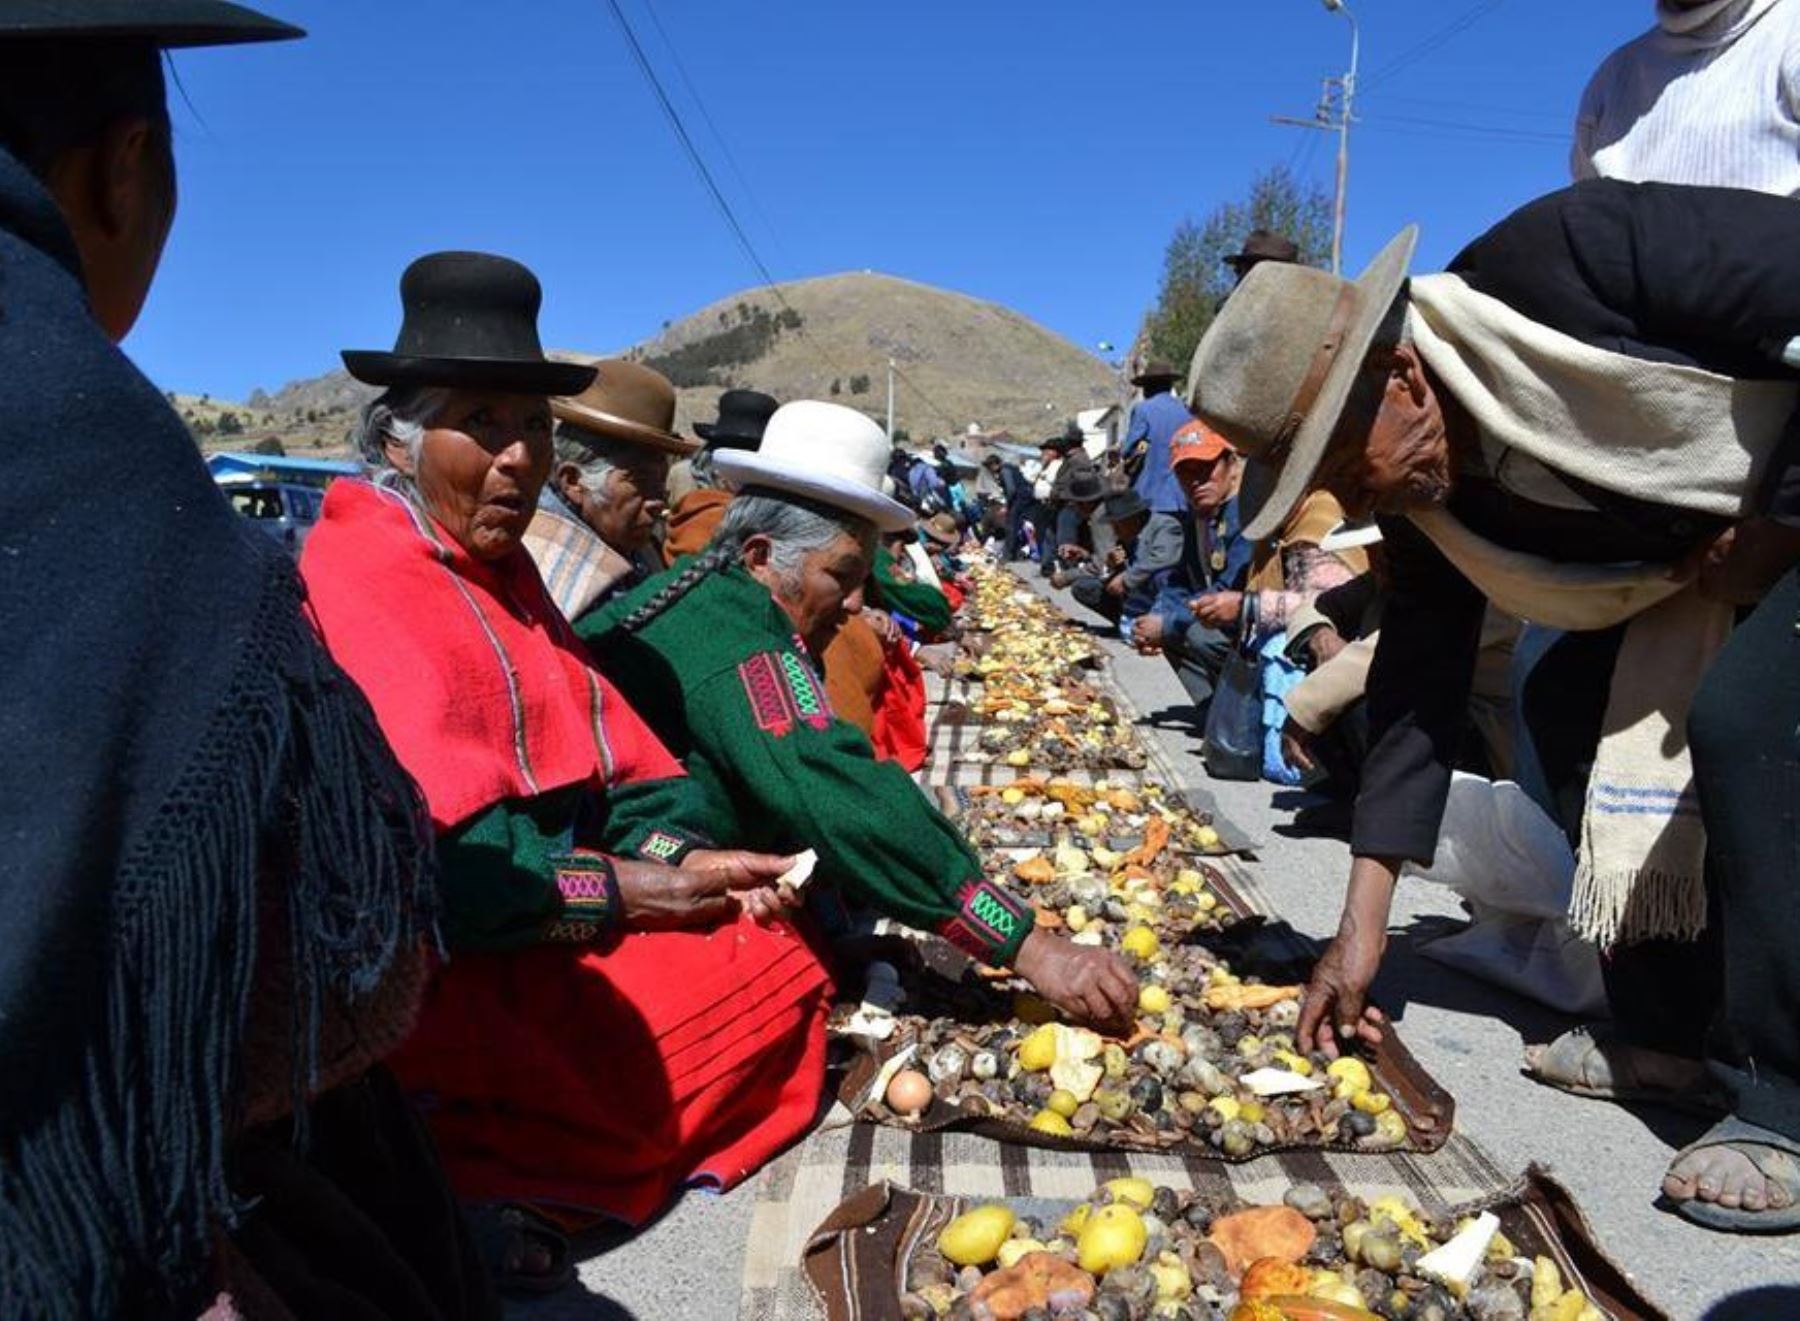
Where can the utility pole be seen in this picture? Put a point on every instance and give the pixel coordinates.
(890, 401)
(1345, 88)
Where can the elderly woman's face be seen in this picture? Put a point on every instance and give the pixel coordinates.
(818, 595)
(482, 464)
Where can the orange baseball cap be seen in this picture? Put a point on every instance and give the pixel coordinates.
(1196, 440)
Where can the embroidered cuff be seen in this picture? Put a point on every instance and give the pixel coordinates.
(591, 903)
(989, 925)
(667, 846)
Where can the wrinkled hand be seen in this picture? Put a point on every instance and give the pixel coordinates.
(1324, 643)
(710, 886)
(1147, 634)
(1743, 562)
(1334, 1007)
(1218, 609)
(1116, 557)
(883, 624)
(1087, 983)
(1070, 553)
(1115, 585)
(1297, 746)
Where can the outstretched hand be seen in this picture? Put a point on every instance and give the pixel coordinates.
(711, 886)
(1089, 984)
(1334, 1013)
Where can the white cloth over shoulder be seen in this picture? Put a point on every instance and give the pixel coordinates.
(1513, 867)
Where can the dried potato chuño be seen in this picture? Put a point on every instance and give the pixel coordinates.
(1128, 1254)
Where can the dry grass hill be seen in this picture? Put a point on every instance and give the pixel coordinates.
(965, 362)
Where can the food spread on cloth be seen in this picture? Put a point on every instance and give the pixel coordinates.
(1133, 1251)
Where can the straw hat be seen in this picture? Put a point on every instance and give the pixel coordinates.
(1277, 364)
(824, 452)
(627, 401)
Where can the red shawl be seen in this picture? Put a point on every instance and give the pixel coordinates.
(478, 681)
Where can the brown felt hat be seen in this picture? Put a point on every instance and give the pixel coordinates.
(1156, 369)
(627, 401)
(1275, 368)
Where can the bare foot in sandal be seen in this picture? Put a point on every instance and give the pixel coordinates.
(1725, 1176)
(1594, 1062)
(1738, 1178)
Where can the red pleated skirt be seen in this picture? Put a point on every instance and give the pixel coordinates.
(603, 1081)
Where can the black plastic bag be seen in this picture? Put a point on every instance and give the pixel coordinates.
(1234, 720)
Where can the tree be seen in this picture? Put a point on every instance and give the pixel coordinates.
(1195, 280)
(229, 425)
(859, 384)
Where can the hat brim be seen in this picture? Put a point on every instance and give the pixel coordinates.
(1113, 520)
(167, 24)
(602, 423)
(1376, 288)
(1155, 376)
(1350, 536)
(742, 468)
(503, 374)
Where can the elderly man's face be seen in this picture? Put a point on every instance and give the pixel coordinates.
(818, 595)
(481, 467)
(1206, 482)
(1397, 457)
(633, 496)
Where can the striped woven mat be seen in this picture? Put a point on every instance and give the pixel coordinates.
(801, 1188)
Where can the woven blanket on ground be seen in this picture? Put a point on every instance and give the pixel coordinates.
(801, 1188)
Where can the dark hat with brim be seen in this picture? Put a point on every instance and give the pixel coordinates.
(168, 24)
(1263, 245)
(1155, 370)
(1084, 488)
(743, 417)
(470, 323)
(1126, 504)
(1062, 443)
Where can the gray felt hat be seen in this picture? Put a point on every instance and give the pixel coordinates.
(1276, 366)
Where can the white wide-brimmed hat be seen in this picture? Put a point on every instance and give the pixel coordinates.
(825, 452)
(1350, 536)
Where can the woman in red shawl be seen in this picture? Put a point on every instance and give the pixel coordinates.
(624, 1011)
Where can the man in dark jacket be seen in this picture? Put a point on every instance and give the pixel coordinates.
(1015, 498)
(1532, 430)
(190, 783)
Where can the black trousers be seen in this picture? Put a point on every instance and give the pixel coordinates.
(1090, 591)
(1662, 993)
(1745, 734)
(1197, 654)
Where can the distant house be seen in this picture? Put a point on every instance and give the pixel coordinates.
(1100, 429)
(302, 472)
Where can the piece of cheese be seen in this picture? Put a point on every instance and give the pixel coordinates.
(1279, 1082)
(796, 877)
(1455, 1263)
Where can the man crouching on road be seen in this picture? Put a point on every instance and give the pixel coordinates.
(718, 654)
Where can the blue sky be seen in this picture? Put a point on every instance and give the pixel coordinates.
(1038, 154)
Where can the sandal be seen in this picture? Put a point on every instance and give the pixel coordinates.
(505, 1232)
(1777, 1159)
(1593, 1062)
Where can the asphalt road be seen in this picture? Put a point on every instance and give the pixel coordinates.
(1467, 1033)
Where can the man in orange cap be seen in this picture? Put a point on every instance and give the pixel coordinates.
(1215, 557)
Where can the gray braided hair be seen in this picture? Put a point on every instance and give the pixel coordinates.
(794, 525)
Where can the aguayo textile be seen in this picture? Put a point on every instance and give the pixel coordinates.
(558, 1059)
(187, 777)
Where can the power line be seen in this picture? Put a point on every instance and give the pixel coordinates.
(1469, 107)
(725, 209)
(1432, 43)
(1448, 128)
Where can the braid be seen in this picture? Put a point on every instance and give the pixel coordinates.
(708, 562)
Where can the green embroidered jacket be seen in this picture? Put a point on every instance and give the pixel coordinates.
(734, 694)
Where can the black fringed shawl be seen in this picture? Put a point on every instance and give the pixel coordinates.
(171, 736)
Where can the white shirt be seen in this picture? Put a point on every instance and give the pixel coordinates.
(1711, 95)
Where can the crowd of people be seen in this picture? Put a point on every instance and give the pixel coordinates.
(377, 923)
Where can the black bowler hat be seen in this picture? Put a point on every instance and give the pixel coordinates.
(1125, 504)
(743, 415)
(169, 24)
(470, 323)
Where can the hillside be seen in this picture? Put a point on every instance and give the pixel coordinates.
(965, 361)
(970, 361)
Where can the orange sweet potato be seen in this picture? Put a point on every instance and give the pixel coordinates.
(1277, 1232)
